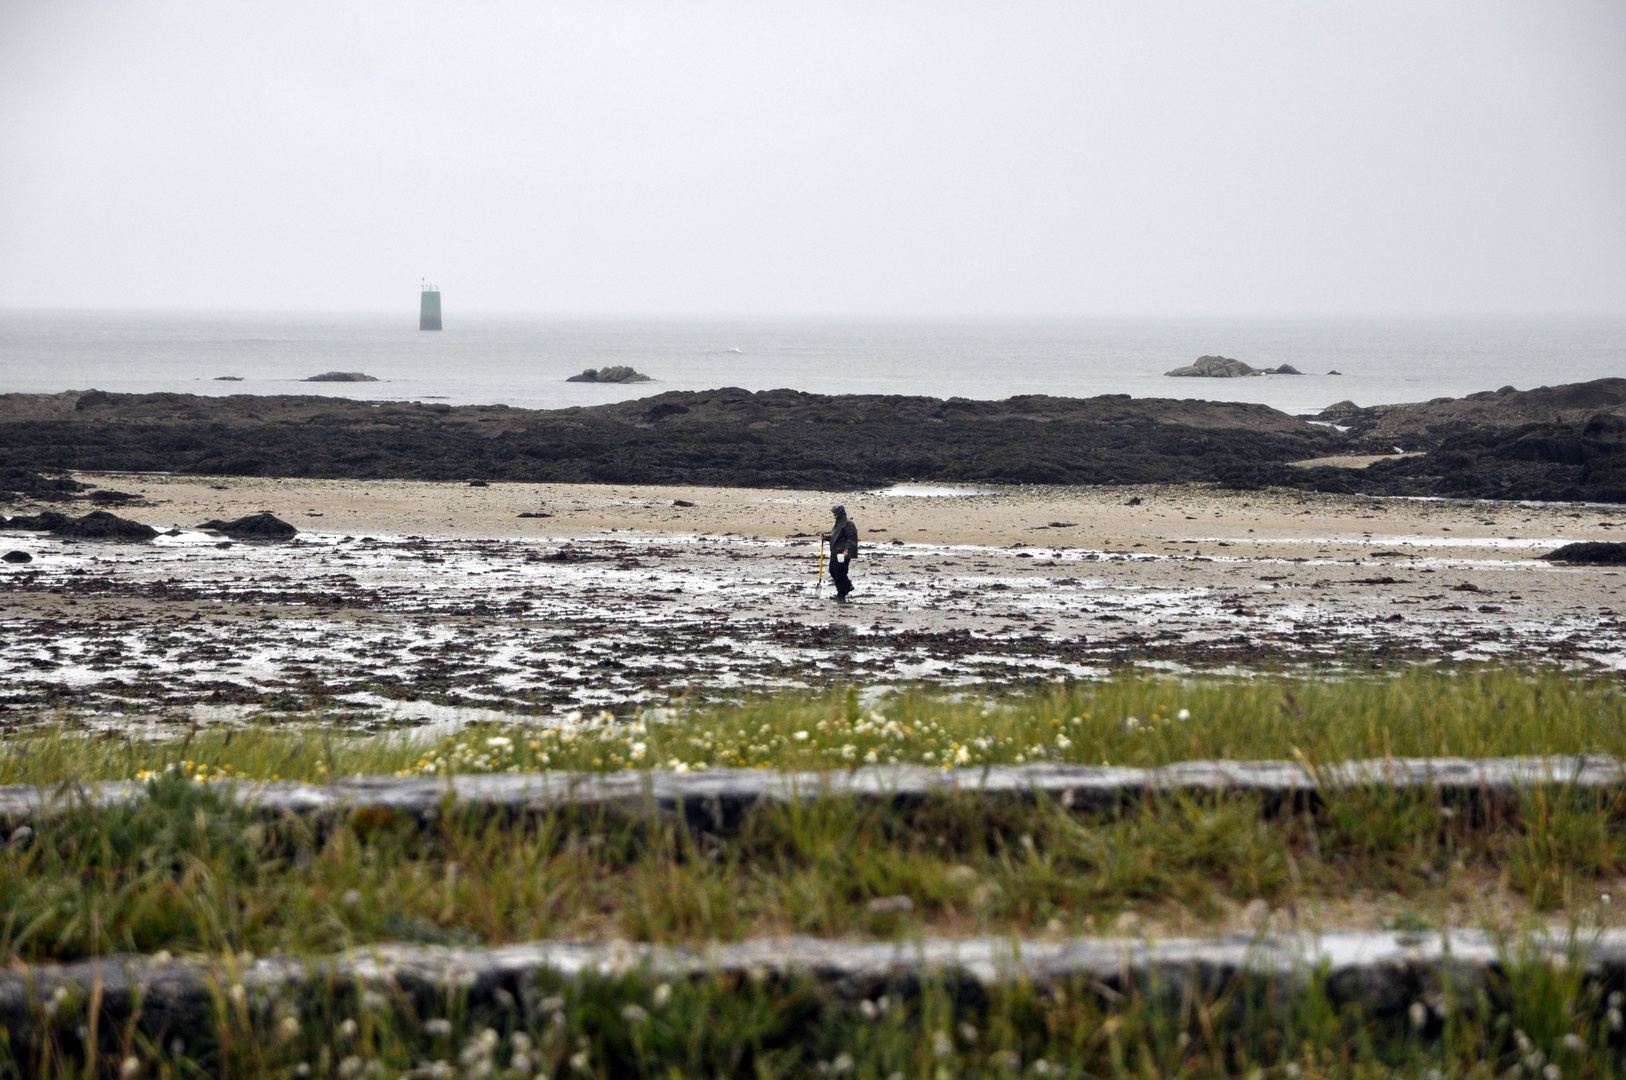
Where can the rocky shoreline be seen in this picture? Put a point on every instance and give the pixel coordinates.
(1560, 443)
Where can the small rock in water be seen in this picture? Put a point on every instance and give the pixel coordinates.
(342, 376)
(17, 556)
(616, 374)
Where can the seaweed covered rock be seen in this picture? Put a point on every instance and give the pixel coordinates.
(44, 521)
(101, 525)
(109, 497)
(262, 526)
(30, 484)
(1596, 552)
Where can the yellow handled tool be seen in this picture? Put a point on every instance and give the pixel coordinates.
(820, 585)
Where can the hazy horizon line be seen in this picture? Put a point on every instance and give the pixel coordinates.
(410, 315)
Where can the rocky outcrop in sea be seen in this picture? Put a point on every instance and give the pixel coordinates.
(616, 374)
(1214, 367)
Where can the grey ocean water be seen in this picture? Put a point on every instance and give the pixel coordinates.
(524, 362)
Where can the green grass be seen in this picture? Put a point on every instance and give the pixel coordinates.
(187, 870)
(1131, 719)
(1537, 1021)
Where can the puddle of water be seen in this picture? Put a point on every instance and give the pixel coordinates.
(932, 491)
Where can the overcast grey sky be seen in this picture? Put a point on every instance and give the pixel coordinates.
(825, 159)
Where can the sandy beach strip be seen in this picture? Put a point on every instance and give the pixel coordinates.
(1153, 518)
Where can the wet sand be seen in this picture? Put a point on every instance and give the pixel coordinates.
(421, 602)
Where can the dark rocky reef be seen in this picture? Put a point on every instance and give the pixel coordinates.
(616, 374)
(341, 376)
(728, 436)
(1553, 443)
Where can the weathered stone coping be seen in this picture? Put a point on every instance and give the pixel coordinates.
(717, 798)
(1383, 971)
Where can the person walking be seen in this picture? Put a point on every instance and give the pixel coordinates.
(843, 537)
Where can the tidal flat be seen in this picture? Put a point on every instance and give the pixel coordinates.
(411, 603)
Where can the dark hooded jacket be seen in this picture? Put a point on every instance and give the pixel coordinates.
(844, 537)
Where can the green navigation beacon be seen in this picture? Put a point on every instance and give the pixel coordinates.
(429, 308)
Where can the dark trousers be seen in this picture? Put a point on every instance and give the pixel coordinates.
(838, 573)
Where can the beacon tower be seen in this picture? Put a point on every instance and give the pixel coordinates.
(429, 308)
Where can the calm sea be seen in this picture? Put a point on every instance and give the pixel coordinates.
(524, 362)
